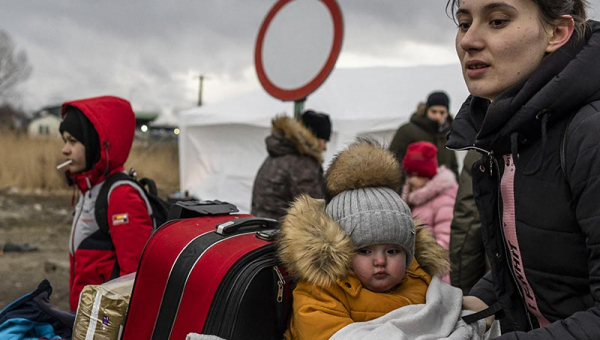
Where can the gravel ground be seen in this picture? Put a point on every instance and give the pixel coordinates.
(42, 220)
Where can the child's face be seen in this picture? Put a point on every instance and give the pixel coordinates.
(416, 182)
(74, 150)
(379, 267)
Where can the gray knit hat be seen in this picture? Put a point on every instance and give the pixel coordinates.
(373, 215)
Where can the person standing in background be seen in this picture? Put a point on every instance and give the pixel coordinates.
(467, 253)
(293, 166)
(430, 123)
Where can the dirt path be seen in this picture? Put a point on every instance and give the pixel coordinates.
(42, 220)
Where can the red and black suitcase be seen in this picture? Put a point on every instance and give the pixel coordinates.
(210, 272)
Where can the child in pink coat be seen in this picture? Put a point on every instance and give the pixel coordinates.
(429, 190)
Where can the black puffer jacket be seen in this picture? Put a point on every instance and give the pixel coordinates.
(292, 168)
(545, 253)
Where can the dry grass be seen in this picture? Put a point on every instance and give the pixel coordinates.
(30, 163)
(156, 160)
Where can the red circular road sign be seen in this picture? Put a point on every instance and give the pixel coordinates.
(297, 46)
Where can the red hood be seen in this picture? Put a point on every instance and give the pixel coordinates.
(114, 121)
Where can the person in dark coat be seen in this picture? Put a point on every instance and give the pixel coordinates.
(293, 166)
(533, 72)
(430, 123)
(467, 253)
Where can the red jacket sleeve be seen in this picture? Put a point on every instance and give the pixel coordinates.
(130, 226)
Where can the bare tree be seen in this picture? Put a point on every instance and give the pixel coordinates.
(14, 67)
(12, 118)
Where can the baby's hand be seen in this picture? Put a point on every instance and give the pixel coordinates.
(475, 304)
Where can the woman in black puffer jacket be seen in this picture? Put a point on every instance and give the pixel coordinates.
(533, 70)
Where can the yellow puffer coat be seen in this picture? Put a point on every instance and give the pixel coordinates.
(320, 312)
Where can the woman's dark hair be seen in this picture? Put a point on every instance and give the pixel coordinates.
(551, 11)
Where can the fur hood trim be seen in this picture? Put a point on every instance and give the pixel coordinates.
(430, 254)
(311, 245)
(443, 180)
(314, 248)
(305, 141)
(364, 163)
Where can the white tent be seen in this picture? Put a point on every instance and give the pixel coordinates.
(221, 146)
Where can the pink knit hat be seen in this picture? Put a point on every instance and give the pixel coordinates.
(420, 160)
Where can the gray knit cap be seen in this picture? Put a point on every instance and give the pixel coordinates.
(374, 215)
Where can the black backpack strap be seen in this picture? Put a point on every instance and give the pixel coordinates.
(114, 180)
(101, 210)
(491, 310)
(150, 185)
(101, 207)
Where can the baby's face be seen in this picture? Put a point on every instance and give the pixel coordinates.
(379, 267)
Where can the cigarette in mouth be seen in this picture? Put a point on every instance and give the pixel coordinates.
(62, 165)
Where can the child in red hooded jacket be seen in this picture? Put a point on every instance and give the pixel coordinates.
(98, 134)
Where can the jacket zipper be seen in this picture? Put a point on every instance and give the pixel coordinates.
(493, 162)
(490, 154)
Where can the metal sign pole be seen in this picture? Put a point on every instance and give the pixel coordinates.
(298, 107)
(201, 79)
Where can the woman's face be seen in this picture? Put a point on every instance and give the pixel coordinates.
(499, 43)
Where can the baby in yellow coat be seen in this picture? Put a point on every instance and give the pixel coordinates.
(356, 256)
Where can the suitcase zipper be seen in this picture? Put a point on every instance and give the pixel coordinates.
(280, 284)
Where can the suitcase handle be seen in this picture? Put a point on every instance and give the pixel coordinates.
(194, 208)
(234, 225)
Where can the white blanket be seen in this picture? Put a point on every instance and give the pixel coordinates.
(438, 318)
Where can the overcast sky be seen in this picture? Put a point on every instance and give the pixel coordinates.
(151, 51)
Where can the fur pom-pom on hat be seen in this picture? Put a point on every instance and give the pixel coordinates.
(363, 164)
